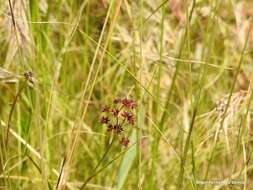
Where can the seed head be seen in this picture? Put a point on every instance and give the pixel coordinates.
(105, 109)
(116, 100)
(104, 120)
(118, 117)
(127, 103)
(28, 76)
(124, 141)
(115, 112)
(129, 117)
(110, 128)
(118, 128)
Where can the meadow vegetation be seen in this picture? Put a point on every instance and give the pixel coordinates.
(180, 72)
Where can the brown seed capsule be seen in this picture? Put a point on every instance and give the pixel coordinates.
(28, 75)
(106, 109)
(118, 128)
(124, 141)
(127, 103)
(110, 128)
(104, 120)
(115, 112)
(129, 117)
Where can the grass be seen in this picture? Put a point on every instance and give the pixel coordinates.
(186, 64)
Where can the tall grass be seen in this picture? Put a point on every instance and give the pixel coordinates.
(187, 64)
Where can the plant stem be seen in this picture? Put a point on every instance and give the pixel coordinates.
(11, 112)
(98, 164)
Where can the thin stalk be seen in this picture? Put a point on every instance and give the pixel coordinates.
(140, 106)
(75, 135)
(157, 105)
(105, 154)
(98, 164)
(186, 148)
(173, 83)
(109, 163)
(11, 112)
(228, 101)
(189, 134)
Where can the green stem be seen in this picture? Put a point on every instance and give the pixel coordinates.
(98, 164)
(228, 101)
(11, 112)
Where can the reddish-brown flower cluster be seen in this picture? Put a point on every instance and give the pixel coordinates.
(104, 120)
(118, 116)
(28, 76)
(124, 141)
(128, 103)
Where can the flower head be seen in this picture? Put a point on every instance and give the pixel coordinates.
(118, 128)
(129, 117)
(28, 76)
(116, 100)
(118, 117)
(110, 128)
(105, 108)
(104, 120)
(124, 141)
(115, 112)
(128, 103)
